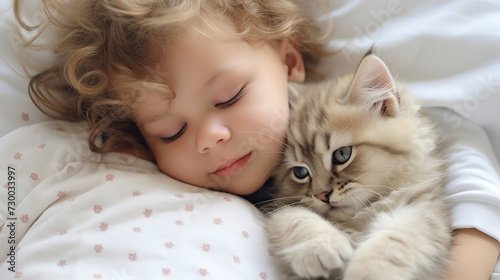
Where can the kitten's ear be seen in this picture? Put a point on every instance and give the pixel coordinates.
(374, 86)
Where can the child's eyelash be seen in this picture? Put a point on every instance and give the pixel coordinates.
(174, 137)
(231, 101)
(225, 104)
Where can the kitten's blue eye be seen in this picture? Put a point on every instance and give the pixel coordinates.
(342, 155)
(300, 172)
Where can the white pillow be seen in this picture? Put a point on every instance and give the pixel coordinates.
(16, 108)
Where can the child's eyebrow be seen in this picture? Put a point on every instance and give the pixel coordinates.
(152, 119)
(216, 76)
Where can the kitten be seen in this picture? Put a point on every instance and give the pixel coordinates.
(362, 183)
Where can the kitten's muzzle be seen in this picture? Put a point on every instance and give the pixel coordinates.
(325, 196)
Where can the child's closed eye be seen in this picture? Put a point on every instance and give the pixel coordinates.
(232, 100)
(174, 137)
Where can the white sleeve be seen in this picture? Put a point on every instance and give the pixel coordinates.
(473, 186)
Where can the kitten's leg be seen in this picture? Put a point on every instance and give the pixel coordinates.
(308, 244)
(408, 243)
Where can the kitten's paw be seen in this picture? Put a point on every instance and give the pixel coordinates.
(319, 257)
(374, 270)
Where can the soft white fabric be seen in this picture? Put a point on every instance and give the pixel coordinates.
(84, 216)
(447, 51)
(16, 108)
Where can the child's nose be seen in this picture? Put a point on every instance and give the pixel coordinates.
(211, 134)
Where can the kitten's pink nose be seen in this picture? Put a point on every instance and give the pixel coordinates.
(325, 197)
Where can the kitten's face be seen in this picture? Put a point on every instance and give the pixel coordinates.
(343, 152)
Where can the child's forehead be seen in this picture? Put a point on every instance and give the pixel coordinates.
(198, 31)
(196, 50)
(195, 35)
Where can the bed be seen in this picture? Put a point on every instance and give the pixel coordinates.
(78, 215)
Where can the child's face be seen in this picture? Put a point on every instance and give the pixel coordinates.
(226, 125)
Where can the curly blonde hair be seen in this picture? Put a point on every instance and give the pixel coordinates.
(101, 41)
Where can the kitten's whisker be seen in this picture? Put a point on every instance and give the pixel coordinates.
(380, 186)
(269, 170)
(282, 161)
(279, 198)
(270, 154)
(372, 171)
(368, 190)
(273, 129)
(375, 193)
(265, 134)
(356, 200)
(278, 208)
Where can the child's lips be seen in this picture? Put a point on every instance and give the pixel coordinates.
(232, 166)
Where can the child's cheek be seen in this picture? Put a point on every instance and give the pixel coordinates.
(279, 120)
